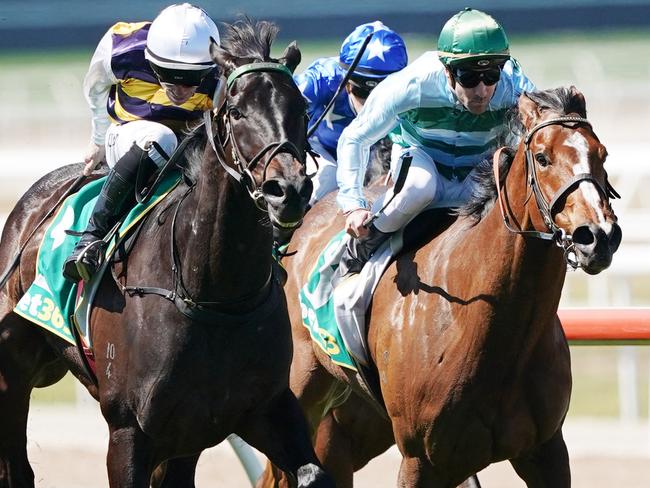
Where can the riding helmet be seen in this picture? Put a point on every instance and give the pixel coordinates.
(384, 54)
(473, 40)
(178, 44)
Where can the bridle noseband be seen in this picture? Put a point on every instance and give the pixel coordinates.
(546, 209)
(243, 170)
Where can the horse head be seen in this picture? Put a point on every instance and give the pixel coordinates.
(565, 170)
(263, 119)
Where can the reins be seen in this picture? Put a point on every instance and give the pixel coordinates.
(557, 234)
(200, 310)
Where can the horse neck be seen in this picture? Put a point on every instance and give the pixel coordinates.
(228, 250)
(526, 273)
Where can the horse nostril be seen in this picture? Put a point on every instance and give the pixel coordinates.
(583, 236)
(273, 189)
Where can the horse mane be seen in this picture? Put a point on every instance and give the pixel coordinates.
(561, 100)
(249, 39)
(193, 153)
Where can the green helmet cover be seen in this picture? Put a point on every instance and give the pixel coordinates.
(472, 37)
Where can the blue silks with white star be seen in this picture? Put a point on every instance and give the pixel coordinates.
(385, 54)
(318, 83)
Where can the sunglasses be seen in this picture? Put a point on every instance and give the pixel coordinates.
(471, 78)
(360, 92)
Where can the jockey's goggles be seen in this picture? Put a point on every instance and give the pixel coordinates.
(361, 86)
(471, 78)
(185, 77)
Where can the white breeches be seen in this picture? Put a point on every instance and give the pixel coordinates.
(423, 188)
(325, 178)
(120, 138)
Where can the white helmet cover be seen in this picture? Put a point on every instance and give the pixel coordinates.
(179, 40)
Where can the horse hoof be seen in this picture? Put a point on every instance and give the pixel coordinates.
(312, 476)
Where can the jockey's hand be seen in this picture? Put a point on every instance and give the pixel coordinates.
(354, 223)
(95, 155)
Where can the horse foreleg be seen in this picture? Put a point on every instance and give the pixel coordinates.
(175, 473)
(281, 433)
(334, 450)
(546, 466)
(130, 458)
(349, 436)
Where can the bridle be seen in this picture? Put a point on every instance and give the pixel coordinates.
(243, 168)
(547, 207)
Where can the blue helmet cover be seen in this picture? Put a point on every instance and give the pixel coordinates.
(384, 54)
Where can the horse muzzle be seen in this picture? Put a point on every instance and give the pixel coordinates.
(595, 245)
(287, 199)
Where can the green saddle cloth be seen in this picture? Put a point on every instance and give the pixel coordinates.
(317, 304)
(50, 300)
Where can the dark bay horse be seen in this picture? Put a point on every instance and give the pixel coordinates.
(471, 360)
(176, 376)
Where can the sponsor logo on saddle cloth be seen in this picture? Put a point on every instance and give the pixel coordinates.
(51, 300)
(336, 318)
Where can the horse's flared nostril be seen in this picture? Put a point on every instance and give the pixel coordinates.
(274, 190)
(583, 236)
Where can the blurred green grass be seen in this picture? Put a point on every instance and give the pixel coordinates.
(595, 380)
(623, 54)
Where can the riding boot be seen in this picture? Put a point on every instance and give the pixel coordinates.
(115, 198)
(358, 251)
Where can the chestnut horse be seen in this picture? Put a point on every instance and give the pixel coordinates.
(471, 361)
(177, 375)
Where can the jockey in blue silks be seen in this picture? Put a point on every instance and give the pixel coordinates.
(385, 54)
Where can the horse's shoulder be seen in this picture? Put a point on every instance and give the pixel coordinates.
(426, 227)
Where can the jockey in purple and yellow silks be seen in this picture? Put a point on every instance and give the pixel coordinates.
(147, 82)
(385, 54)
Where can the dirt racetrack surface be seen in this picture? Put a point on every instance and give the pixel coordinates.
(67, 450)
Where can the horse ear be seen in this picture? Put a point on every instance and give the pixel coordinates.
(224, 60)
(577, 102)
(528, 110)
(291, 56)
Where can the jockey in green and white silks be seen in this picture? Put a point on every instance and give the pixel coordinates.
(451, 108)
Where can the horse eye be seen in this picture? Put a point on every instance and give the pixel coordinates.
(235, 113)
(541, 159)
